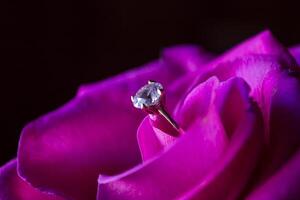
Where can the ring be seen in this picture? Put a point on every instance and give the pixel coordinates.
(151, 98)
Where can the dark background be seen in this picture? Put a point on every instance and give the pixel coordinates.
(48, 48)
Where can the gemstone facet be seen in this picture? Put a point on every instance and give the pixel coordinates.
(148, 95)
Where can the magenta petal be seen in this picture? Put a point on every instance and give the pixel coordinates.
(147, 139)
(191, 108)
(12, 187)
(64, 152)
(295, 51)
(231, 173)
(284, 185)
(263, 44)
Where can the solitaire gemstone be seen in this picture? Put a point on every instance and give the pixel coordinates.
(148, 95)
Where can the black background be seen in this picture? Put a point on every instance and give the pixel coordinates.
(48, 48)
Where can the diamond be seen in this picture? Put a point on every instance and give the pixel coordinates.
(148, 95)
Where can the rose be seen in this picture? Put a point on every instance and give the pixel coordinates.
(239, 111)
(240, 115)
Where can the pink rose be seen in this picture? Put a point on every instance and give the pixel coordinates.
(240, 113)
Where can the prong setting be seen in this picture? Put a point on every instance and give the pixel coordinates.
(151, 81)
(160, 91)
(149, 96)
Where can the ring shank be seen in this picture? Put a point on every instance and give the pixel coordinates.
(168, 118)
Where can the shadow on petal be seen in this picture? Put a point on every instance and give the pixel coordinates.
(282, 185)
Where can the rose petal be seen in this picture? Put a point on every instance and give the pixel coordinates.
(187, 162)
(63, 152)
(263, 43)
(243, 122)
(259, 47)
(282, 185)
(295, 51)
(12, 187)
(192, 109)
(147, 140)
